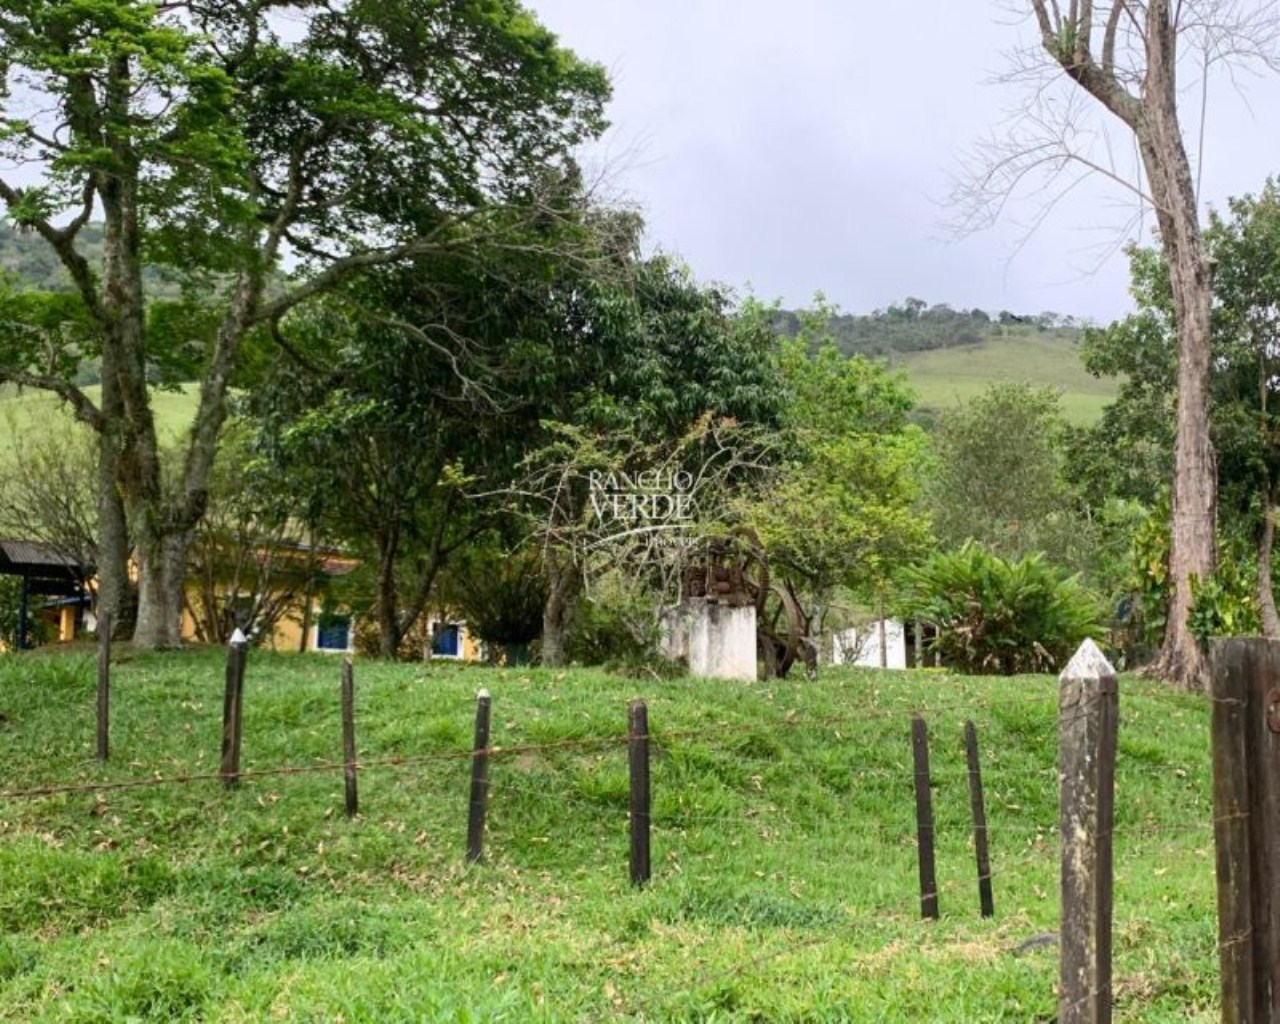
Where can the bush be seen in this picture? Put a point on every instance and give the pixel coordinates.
(1002, 617)
(616, 629)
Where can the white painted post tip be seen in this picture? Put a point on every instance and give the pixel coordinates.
(482, 695)
(238, 637)
(1088, 663)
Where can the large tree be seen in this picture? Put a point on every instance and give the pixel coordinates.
(1125, 55)
(1134, 437)
(216, 145)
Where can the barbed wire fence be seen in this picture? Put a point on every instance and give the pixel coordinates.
(1016, 845)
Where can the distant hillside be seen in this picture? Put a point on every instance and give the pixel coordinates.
(916, 326)
(945, 377)
(31, 260)
(950, 355)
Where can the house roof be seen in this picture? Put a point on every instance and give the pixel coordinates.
(40, 562)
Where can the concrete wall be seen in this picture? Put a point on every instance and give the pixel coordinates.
(722, 641)
(854, 647)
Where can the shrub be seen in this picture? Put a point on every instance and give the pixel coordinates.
(998, 616)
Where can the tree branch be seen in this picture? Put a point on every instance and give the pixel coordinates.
(85, 411)
(62, 241)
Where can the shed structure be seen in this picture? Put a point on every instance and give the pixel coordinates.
(48, 573)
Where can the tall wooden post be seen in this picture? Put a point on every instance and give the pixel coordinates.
(1088, 708)
(978, 805)
(479, 780)
(1245, 688)
(638, 758)
(104, 686)
(232, 703)
(349, 738)
(924, 819)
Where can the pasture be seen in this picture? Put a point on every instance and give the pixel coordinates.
(784, 883)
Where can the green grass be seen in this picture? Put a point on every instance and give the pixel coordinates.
(23, 413)
(784, 883)
(943, 378)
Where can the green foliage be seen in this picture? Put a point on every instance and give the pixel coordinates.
(615, 628)
(996, 476)
(1226, 603)
(840, 508)
(916, 326)
(999, 616)
(10, 597)
(1130, 452)
(499, 593)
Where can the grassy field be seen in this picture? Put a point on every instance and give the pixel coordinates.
(784, 883)
(946, 377)
(24, 413)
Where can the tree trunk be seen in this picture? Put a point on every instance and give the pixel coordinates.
(557, 613)
(389, 634)
(1192, 540)
(162, 563)
(114, 597)
(1266, 593)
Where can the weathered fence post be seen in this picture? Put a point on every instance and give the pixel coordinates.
(104, 686)
(232, 702)
(349, 738)
(479, 780)
(638, 758)
(924, 819)
(1088, 704)
(1246, 809)
(979, 807)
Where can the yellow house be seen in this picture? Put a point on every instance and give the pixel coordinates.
(56, 600)
(302, 616)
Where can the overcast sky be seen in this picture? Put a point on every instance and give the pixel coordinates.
(812, 144)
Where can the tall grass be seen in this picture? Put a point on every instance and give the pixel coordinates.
(784, 881)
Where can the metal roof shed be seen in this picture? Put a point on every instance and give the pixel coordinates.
(43, 570)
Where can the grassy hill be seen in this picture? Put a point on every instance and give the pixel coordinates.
(784, 885)
(942, 378)
(29, 411)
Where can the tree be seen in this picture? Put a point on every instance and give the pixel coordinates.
(47, 494)
(380, 444)
(1125, 56)
(214, 146)
(634, 361)
(840, 507)
(257, 553)
(1245, 347)
(997, 472)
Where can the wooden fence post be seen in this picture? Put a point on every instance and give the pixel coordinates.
(349, 738)
(104, 686)
(638, 759)
(924, 819)
(1246, 808)
(479, 780)
(979, 808)
(1088, 704)
(232, 702)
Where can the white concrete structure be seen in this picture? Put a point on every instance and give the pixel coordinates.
(851, 647)
(718, 641)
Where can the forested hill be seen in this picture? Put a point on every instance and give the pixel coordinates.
(29, 260)
(915, 326)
